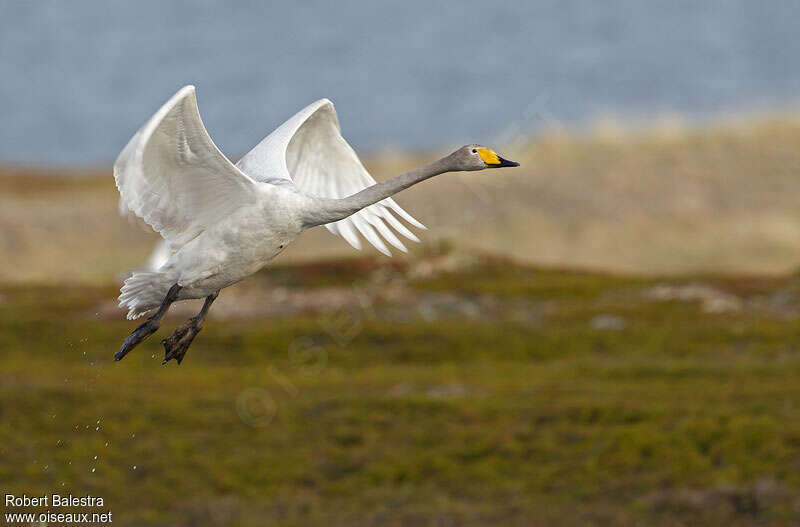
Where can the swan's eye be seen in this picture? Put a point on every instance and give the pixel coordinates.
(474, 150)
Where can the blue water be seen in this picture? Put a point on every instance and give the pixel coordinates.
(78, 78)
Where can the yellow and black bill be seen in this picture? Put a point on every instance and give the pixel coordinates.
(493, 160)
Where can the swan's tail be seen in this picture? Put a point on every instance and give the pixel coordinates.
(143, 292)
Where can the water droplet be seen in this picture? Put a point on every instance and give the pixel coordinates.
(133, 436)
(92, 469)
(106, 443)
(69, 462)
(97, 428)
(98, 421)
(95, 457)
(134, 467)
(45, 467)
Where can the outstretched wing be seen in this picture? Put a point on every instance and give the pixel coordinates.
(172, 175)
(309, 151)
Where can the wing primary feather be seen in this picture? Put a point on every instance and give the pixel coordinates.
(385, 231)
(369, 233)
(396, 225)
(349, 234)
(405, 215)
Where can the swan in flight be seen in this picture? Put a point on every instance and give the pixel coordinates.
(223, 222)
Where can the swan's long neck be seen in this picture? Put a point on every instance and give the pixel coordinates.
(329, 210)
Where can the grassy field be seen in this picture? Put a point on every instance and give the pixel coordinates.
(489, 378)
(446, 389)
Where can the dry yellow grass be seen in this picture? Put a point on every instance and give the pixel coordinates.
(668, 200)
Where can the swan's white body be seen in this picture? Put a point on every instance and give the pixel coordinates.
(223, 222)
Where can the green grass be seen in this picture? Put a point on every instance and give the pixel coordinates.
(679, 418)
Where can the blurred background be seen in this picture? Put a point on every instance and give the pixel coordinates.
(605, 335)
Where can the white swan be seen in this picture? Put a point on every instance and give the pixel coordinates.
(223, 222)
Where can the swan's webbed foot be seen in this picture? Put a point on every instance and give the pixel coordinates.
(149, 326)
(144, 330)
(177, 344)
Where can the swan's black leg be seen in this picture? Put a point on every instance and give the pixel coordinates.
(176, 345)
(149, 326)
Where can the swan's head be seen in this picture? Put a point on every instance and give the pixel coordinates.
(477, 157)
